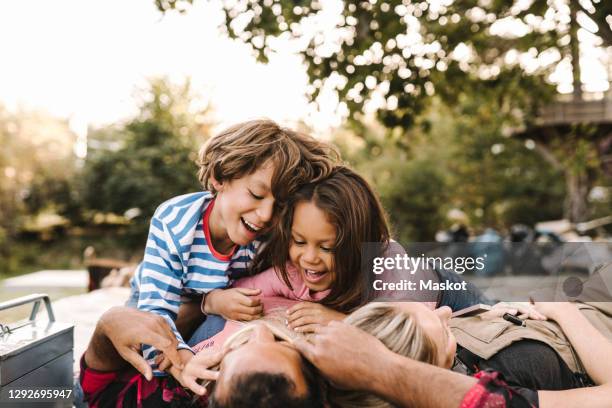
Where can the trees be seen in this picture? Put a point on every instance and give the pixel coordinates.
(129, 166)
(397, 54)
(393, 56)
(138, 165)
(413, 186)
(460, 162)
(37, 165)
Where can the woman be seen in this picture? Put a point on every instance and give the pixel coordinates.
(414, 331)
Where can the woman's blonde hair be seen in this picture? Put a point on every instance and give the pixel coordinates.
(400, 332)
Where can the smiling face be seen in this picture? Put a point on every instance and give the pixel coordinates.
(261, 353)
(243, 208)
(312, 246)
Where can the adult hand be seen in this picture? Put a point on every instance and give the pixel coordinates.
(344, 354)
(234, 303)
(203, 366)
(555, 310)
(129, 328)
(305, 317)
(523, 310)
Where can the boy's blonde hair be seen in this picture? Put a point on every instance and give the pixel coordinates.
(400, 332)
(243, 148)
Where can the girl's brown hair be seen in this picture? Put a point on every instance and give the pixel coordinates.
(356, 213)
(243, 148)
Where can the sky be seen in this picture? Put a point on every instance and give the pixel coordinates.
(85, 60)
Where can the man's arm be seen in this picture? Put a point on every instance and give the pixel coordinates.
(411, 383)
(353, 359)
(119, 335)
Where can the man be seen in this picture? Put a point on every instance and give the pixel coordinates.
(261, 369)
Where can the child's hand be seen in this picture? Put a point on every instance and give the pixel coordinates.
(234, 303)
(164, 363)
(204, 366)
(306, 316)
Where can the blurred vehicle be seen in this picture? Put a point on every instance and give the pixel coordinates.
(571, 250)
(551, 248)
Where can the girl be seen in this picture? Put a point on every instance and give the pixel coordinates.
(323, 229)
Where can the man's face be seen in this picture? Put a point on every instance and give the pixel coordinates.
(243, 207)
(262, 353)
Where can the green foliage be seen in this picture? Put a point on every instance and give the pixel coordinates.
(497, 179)
(415, 193)
(410, 50)
(148, 160)
(166, 5)
(136, 165)
(458, 162)
(37, 167)
(413, 187)
(66, 252)
(396, 56)
(57, 193)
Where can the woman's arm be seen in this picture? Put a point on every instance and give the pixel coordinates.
(592, 397)
(594, 351)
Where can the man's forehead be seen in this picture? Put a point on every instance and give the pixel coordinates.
(251, 361)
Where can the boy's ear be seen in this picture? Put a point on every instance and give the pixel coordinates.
(217, 185)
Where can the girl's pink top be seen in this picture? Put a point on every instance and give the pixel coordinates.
(270, 305)
(272, 285)
(275, 295)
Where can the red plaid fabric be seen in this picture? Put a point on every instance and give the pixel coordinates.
(129, 389)
(492, 392)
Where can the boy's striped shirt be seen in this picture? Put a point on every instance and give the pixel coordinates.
(178, 261)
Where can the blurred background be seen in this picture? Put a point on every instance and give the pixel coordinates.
(485, 119)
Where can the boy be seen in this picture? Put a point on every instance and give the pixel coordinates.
(200, 242)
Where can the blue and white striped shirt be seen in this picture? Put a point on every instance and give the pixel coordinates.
(179, 260)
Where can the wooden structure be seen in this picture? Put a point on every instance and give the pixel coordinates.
(572, 111)
(586, 117)
(99, 268)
